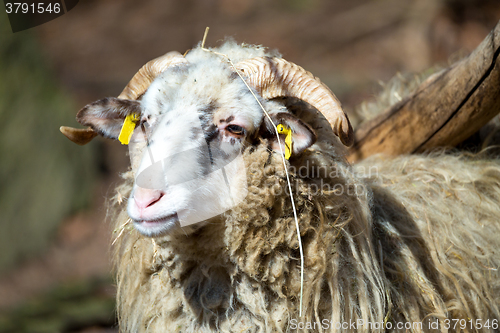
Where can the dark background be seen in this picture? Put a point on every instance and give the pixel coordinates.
(54, 262)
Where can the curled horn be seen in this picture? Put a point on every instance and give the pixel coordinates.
(80, 136)
(143, 78)
(134, 90)
(275, 77)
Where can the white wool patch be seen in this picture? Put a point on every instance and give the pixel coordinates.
(235, 52)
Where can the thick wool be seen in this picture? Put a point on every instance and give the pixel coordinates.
(408, 239)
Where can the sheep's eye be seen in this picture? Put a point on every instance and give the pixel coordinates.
(235, 129)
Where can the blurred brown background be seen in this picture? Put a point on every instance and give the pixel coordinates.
(54, 263)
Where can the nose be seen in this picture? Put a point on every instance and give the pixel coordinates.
(145, 197)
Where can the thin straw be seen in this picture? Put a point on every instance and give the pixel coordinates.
(284, 165)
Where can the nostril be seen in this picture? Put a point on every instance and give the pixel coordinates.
(155, 201)
(145, 198)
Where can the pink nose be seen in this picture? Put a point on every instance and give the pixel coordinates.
(145, 198)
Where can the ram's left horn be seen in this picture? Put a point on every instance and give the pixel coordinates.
(80, 136)
(276, 77)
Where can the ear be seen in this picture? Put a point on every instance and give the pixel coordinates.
(303, 136)
(106, 116)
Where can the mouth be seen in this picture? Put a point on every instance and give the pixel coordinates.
(158, 226)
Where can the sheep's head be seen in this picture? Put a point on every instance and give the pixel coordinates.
(194, 117)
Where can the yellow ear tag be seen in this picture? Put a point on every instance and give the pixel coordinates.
(282, 129)
(128, 128)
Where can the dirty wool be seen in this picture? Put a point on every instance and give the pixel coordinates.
(409, 239)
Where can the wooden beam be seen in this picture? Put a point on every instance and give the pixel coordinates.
(446, 109)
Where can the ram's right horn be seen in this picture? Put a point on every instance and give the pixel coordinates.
(134, 90)
(143, 78)
(80, 136)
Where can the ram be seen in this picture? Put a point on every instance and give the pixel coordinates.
(207, 240)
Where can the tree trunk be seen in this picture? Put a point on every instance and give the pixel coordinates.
(446, 109)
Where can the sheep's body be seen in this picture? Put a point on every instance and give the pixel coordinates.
(432, 221)
(406, 240)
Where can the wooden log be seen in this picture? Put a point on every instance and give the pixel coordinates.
(446, 109)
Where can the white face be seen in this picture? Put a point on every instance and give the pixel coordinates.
(192, 169)
(195, 121)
